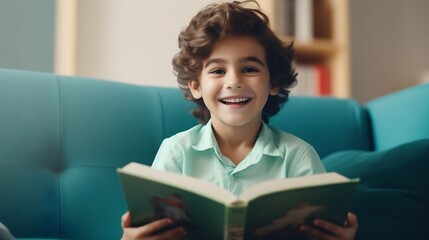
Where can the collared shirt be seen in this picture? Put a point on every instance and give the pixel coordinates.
(276, 154)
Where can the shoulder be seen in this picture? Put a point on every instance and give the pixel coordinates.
(175, 150)
(188, 138)
(300, 156)
(289, 146)
(196, 138)
(287, 141)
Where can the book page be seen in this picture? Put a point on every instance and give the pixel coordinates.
(292, 183)
(278, 215)
(190, 184)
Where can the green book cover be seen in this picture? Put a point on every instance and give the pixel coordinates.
(267, 210)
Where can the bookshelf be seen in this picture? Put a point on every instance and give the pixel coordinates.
(329, 45)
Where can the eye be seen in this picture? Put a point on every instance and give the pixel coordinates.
(250, 70)
(217, 71)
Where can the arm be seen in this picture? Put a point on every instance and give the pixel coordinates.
(306, 162)
(166, 159)
(309, 163)
(150, 230)
(331, 231)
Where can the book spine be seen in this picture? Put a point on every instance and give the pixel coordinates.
(285, 14)
(313, 80)
(306, 80)
(323, 80)
(235, 222)
(304, 20)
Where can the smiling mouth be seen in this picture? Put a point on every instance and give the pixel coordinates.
(242, 100)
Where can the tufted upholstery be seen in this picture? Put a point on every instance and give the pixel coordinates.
(62, 138)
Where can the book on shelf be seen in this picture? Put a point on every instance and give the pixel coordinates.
(284, 13)
(323, 80)
(303, 20)
(264, 211)
(295, 18)
(313, 80)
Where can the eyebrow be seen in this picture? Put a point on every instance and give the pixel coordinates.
(245, 59)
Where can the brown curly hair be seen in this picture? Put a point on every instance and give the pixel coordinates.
(213, 23)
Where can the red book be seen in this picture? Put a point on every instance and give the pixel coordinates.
(323, 80)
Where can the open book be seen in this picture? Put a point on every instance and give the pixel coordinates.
(267, 210)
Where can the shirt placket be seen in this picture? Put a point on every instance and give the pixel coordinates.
(230, 174)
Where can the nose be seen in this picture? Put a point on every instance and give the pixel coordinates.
(233, 80)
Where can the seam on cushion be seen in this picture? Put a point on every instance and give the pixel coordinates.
(163, 119)
(92, 166)
(22, 164)
(61, 156)
(371, 131)
(361, 120)
(369, 128)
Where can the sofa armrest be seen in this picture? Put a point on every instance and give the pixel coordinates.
(400, 117)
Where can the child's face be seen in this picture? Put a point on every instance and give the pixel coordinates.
(234, 82)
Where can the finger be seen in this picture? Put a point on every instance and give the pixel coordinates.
(329, 227)
(313, 233)
(154, 226)
(352, 221)
(145, 230)
(126, 220)
(174, 233)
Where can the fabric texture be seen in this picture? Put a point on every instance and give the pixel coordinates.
(62, 139)
(392, 200)
(276, 154)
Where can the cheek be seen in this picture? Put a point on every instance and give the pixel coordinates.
(210, 87)
(263, 83)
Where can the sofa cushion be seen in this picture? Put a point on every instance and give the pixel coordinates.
(392, 200)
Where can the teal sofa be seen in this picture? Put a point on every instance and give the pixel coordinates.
(62, 138)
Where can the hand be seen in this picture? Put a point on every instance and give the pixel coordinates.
(147, 231)
(331, 230)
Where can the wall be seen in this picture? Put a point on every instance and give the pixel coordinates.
(389, 45)
(131, 41)
(134, 41)
(27, 34)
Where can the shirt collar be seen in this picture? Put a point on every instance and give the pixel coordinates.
(205, 139)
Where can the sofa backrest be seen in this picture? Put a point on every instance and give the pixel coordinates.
(329, 124)
(29, 153)
(62, 138)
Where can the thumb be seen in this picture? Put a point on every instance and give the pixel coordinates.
(126, 220)
(352, 220)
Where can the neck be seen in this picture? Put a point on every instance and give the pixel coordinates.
(235, 142)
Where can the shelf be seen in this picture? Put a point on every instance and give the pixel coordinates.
(330, 46)
(314, 51)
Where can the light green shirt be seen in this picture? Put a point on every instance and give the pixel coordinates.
(276, 154)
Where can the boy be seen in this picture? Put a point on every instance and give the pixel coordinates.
(239, 73)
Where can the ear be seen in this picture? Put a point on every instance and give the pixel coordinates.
(195, 88)
(274, 91)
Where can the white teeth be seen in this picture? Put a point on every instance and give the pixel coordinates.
(235, 100)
